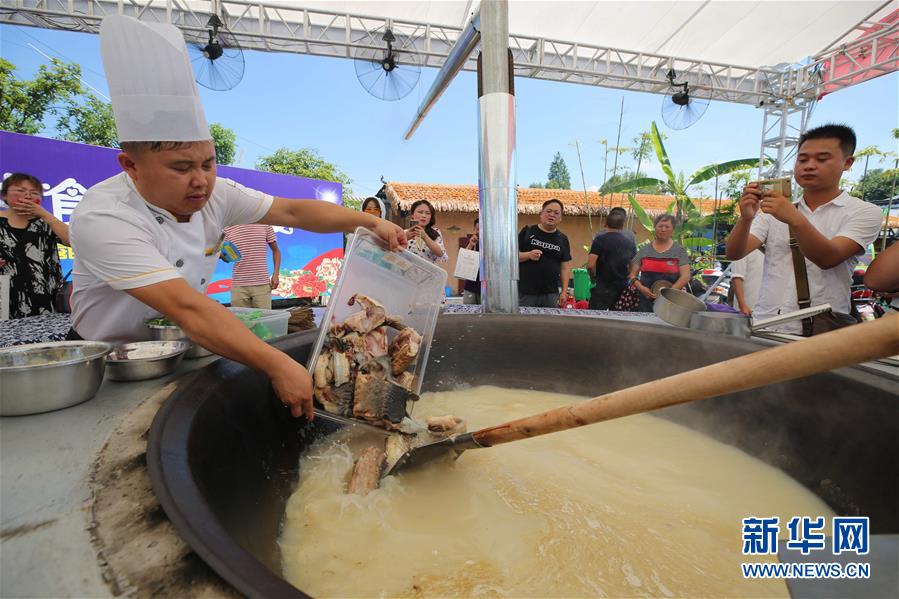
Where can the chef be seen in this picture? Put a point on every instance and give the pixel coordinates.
(146, 240)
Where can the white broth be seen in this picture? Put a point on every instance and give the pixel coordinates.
(632, 507)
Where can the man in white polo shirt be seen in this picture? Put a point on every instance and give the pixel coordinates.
(831, 227)
(147, 239)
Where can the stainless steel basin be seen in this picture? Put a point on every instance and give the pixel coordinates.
(43, 377)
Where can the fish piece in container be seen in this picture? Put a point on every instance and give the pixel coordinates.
(369, 359)
(379, 398)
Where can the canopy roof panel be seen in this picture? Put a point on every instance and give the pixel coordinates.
(745, 33)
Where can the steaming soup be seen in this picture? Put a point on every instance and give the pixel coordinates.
(632, 507)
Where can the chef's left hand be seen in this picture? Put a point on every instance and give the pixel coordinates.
(563, 298)
(275, 281)
(780, 207)
(393, 234)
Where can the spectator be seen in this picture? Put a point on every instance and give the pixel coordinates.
(661, 260)
(424, 238)
(545, 257)
(746, 279)
(609, 261)
(251, 286)
(28, 254)
(371, 205)
(472, 291)
(626, 232)
(831, 227)
(375, 206)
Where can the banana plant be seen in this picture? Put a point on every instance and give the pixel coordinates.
(689, 219)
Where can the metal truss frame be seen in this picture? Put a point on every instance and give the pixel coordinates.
(271, 26)
(786, 96)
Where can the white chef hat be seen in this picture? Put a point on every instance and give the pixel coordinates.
(154, 97)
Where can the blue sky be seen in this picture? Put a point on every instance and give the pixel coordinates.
(303, 101)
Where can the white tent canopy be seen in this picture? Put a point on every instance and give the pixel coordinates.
(722, 46)
(745, 33)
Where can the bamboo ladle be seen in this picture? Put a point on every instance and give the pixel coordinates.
(836, 349)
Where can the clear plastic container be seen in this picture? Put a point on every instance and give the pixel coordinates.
(406, 285)
(270, 325)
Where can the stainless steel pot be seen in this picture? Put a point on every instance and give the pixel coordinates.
(173, 333)
(144, 360)
(676, 307)
(43, 377)
(740, 325)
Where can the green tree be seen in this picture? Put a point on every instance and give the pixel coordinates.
(866, 153)
(876, 185)
(305, 162)
(558, 177)
(642, 149)
(88, 119)
(25, 103)
(733, 188)
(225, 141)
(690, 220)
(537, 185)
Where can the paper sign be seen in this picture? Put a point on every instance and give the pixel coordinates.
(467, 265)
(4, 297)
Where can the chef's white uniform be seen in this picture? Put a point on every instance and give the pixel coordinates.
(123, 242)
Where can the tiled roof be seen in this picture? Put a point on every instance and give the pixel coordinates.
(464, 198)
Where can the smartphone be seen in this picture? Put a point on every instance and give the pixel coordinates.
(781, 185)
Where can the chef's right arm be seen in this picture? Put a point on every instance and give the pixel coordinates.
(123, 255)
(213, 326)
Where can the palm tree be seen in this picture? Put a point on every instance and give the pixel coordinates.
(688, 217)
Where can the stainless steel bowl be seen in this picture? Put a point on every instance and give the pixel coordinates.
(42, 377)
(173, 333)
(144, 359)
(676, 307)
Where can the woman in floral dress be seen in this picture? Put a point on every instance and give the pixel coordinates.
(28, 247)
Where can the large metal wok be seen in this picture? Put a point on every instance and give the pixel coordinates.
(223, 452)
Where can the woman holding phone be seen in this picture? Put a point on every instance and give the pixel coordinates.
(424, 238)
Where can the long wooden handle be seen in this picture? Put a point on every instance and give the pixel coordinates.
(843, 347)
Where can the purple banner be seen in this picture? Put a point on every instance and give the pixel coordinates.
(67, 170)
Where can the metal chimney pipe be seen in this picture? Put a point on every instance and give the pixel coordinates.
(497, 194)
(458, 54)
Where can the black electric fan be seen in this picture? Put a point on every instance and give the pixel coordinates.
(218, 63)
(684, 105)
(389, 72)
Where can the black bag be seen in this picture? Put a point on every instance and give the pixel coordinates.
(820, 323)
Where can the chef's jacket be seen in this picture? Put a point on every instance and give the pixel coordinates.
(123, 242)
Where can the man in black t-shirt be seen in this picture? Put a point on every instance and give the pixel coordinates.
(545, 257)
(609, 261)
